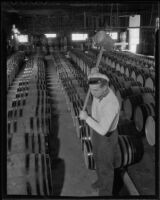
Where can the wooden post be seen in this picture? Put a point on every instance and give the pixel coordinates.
(84, 20)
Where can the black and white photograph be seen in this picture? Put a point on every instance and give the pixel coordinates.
(80, 99)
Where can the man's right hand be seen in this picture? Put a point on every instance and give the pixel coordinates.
(83, 115)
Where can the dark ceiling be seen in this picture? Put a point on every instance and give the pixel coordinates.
(61, 8)
(42, 16)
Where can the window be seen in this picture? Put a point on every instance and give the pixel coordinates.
(134, 21)
(50, 35)
(114, 35)
(22, 38)
(79, 37)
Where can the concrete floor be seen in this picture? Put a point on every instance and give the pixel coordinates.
(70, 175)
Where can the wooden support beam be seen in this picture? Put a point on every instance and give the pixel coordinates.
(84, 19)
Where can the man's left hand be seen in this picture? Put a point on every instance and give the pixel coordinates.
(83, 115)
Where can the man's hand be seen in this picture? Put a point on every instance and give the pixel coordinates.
(94, 70)
(83, 115)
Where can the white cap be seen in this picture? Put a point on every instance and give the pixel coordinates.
(98, 75)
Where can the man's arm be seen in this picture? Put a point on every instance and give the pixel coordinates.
(108, 114)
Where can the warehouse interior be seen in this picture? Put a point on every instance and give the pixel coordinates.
(50, 49)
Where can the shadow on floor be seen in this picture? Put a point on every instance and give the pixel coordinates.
(119, 188)
(57, 164)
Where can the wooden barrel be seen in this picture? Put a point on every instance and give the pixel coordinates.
(141, 78)
(118, 83)
(75, 107)
(131, 83)
(149, 83)
(118, 68)
(22, 88)
(122, 94)
(23, 82)
(150, 130)
(140, 115)
(131, 102)
(128, 71)
(78, 123)
(15, 113)
(119, 78)
(18, 102)
(149, 98)
(88, 155)
(139, 90)
(29, 174)
(127, 127)
(27, 143)
(122, 70)
(134, 74)
(113, 64)
(85, 133)
(131, 150)
(34, 125)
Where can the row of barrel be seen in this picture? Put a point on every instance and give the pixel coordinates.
(13, 66)
(138, 57)
(136, 69)
(127, 89)
(131, 58)
(145, 76)
(130, 147)
(139, 72)
(28, 129)
(78, 74)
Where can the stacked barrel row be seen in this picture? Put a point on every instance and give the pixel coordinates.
(13, 66)
(74, 96)
(84, 132)
(28, 128)
(145, 59)
(130, 58)
(84, 61)
(78, 74)
(139, 70)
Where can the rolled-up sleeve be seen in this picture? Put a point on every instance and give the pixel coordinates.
(107, 115)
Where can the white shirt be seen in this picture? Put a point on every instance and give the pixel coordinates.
(105, 114)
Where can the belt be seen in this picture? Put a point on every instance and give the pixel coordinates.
(108, 134)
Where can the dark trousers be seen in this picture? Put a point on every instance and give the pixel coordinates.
(105, 152)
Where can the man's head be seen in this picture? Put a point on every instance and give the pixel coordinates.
(98, 84)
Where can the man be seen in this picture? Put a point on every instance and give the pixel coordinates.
(105, 115)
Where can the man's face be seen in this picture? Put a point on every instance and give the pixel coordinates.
(96, 90)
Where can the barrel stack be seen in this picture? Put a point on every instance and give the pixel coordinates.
(28, 128)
